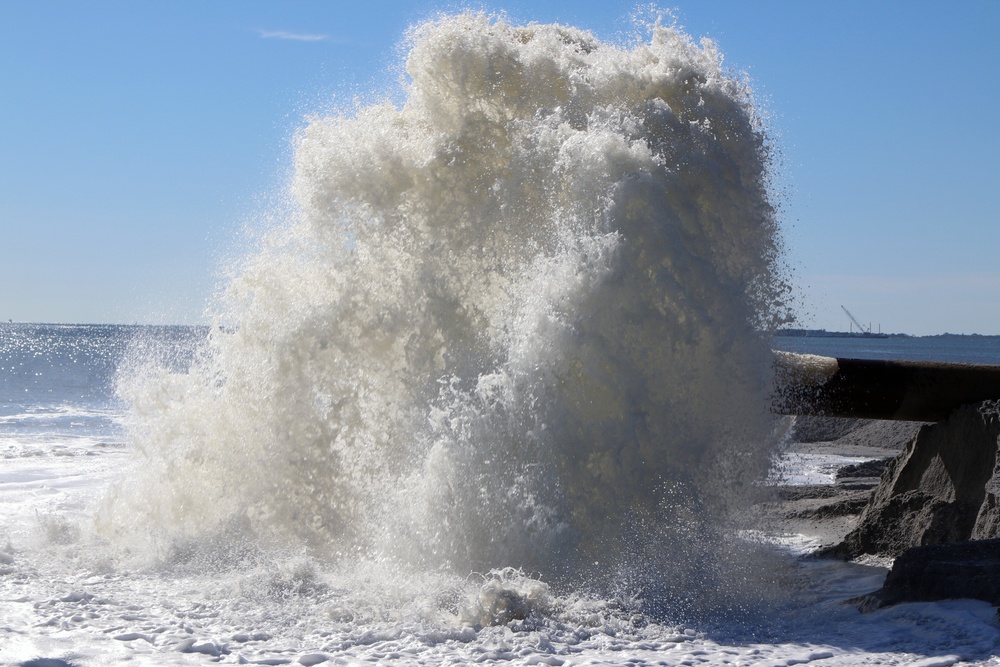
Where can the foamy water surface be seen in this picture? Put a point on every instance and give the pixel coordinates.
(61, 599)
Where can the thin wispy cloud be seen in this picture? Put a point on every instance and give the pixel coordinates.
(294, 36)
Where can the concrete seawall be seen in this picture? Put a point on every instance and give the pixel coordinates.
(869, 389)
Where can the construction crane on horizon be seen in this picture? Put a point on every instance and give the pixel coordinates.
(861, 328)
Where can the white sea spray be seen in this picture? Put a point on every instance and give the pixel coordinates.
(519, 320)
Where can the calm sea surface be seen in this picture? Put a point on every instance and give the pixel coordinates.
(955, 349)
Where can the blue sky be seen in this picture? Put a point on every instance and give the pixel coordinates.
(138, 140)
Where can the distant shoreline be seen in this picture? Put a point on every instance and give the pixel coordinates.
(823, 333)
(780, 333)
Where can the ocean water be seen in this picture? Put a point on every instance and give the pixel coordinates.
(945, 348)
(495, 392)
(58, 381)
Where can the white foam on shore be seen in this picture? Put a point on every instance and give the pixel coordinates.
(803, 468)
(61, 598)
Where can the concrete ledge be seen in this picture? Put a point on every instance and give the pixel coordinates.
(869, 389)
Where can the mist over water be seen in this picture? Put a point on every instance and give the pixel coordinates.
(520, 320)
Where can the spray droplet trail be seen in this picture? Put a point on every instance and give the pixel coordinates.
(518, 320)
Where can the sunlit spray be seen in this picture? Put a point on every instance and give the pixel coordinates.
(518, 320)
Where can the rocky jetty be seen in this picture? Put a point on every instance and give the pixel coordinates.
(944, 487)
(935, 512)
(940, 572)
(926, 498)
